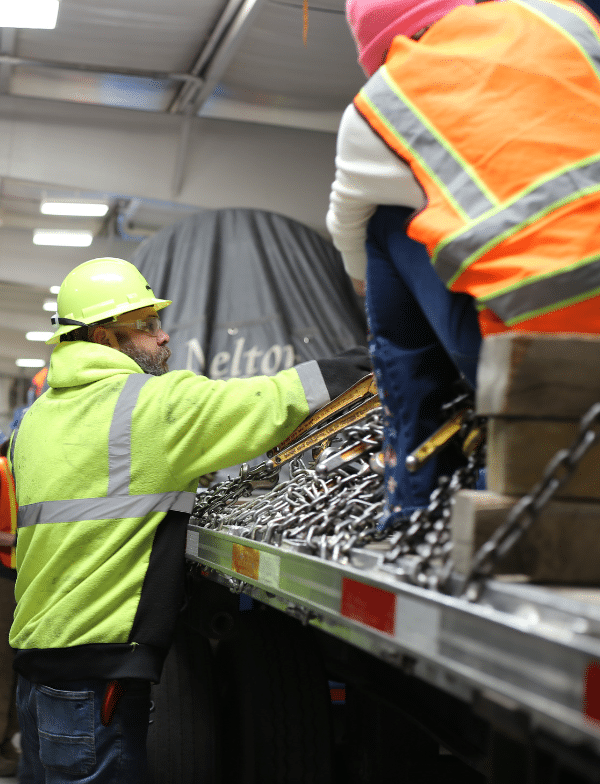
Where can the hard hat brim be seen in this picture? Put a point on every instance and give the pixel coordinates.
(159, 304)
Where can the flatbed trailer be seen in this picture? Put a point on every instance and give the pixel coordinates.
(519, 668)
(453, 674)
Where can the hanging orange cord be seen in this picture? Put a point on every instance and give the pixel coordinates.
(305, 21)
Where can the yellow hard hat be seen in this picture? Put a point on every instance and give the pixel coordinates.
(100, 289)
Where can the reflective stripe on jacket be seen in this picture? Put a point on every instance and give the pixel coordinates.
(118, 502)
(497, 110)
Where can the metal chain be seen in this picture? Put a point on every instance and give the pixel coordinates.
(228, 492)
(421, 547)
(322, 513)
(524, 513)
(327, 514)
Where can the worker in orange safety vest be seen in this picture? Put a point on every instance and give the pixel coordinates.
(8, 515)
(8, 526)
(468, 173)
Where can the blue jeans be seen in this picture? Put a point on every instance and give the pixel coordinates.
(64, 740)
(422, 338)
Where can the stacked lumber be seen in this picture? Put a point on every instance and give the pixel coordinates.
(534, 388)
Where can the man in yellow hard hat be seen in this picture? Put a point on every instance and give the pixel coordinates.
(106, 465)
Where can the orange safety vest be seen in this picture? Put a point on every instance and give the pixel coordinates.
(497, 111)
(38, 381)
(8, 511)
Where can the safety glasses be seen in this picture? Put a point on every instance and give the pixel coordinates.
(151, 325)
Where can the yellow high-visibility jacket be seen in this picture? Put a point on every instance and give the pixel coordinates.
(106, 465)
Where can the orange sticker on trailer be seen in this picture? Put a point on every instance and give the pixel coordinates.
(245, 560)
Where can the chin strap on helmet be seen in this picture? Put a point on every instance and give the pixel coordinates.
(65, 322)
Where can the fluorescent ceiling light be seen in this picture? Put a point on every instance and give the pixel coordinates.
(50, 305)
(42, 336)
(31, 363)
(37, 14)
(74, 239)
(54, 289)
(79, 209)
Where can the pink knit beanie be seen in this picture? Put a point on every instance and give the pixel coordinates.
(374, 23)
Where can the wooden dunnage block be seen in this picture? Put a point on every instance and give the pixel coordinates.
(518, 451)
(561, 546)
(535, 388)
(538, 375)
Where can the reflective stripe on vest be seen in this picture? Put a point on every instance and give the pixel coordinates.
(487, 221)
(477, 238)
(539, 293)
(451, 173)
(118, 503)
(569, 22)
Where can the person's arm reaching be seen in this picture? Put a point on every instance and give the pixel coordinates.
(343, 370)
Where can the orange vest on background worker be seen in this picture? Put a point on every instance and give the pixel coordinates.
(37, 383)
(8, 512)
(497, 111)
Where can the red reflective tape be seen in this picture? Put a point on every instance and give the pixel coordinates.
(337, 695)
(369, 605)
(591, 691)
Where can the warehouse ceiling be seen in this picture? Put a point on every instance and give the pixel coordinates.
(159, 110)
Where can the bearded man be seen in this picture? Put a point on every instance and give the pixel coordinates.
(106, 465)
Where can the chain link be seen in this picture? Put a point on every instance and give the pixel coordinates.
(322, 513)
(228, 492)
(524, 513)
(325, 514)
(328, 513)
(421, 547)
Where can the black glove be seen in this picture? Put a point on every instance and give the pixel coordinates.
(345, 369)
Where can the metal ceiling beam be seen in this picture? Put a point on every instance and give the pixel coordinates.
(13, 219)
(208, 69)
(231, 10)
(213, 60)
(193, 87)
(8, 36)
(182, 153)
(68, 145)
(222, 41)
(8, 58)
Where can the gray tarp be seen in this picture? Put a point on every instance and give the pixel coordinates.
(253, 292)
